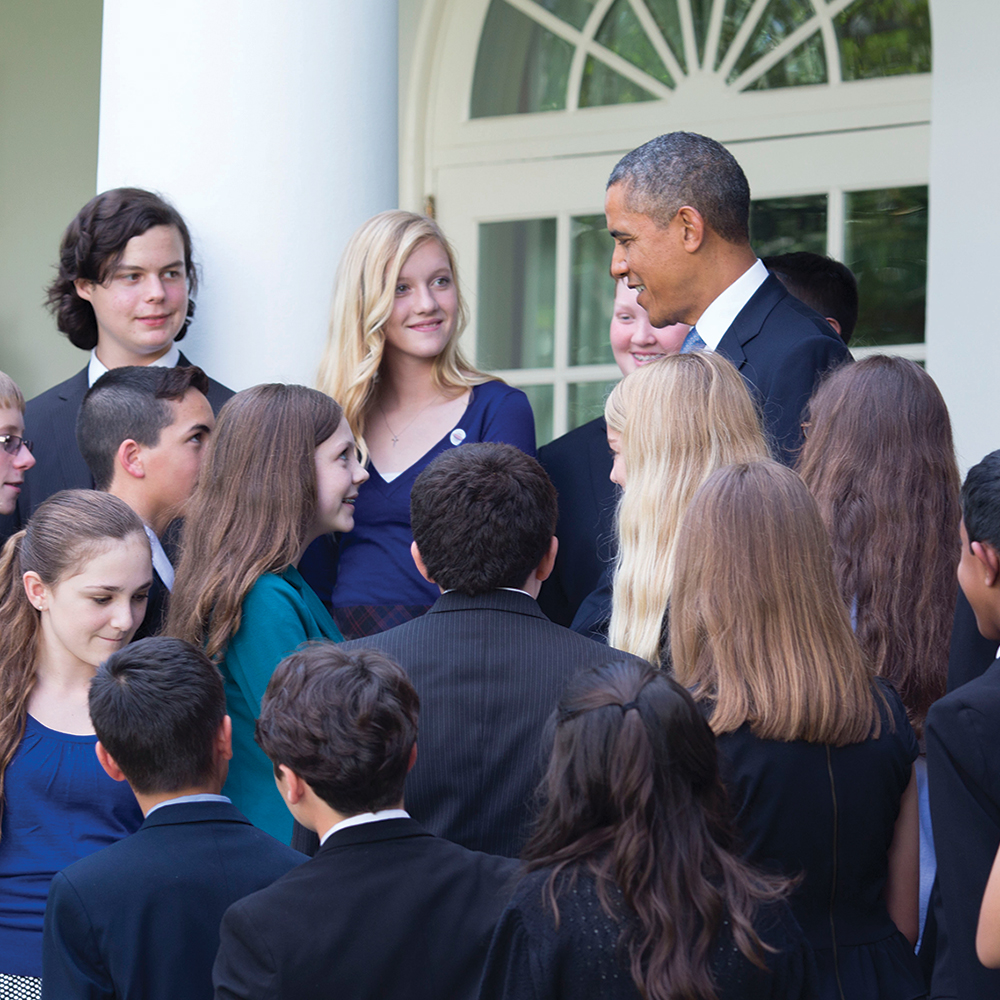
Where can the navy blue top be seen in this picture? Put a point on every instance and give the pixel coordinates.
(375, 566)
(59, 806)
(829, 814)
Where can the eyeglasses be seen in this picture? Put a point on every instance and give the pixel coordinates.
(11, 443)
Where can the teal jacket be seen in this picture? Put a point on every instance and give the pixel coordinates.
(279, 614)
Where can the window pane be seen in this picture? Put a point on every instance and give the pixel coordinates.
(669, 22)
(592, 292)
(701, 14)
(779, 20)
(803, 65)
(885, 245)
(521, 67)
(622, 33)
(541, 399)
(733, 16)
(786, 225)
(586, 401)
(602, 85)
(517, 294)
(574, 12)
(884, 38)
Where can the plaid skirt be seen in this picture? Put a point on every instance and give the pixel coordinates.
(370, 619)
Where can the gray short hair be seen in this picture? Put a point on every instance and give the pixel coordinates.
(684, 168)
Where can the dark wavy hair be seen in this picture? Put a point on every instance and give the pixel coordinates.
(92, 248)
(633, 795)
(880, 461)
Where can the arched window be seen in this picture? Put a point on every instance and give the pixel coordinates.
(527, 105)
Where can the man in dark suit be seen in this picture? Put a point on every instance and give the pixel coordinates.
(963, 759)
(579, 465)
(142, 431)
(139, 920)
(125, 292)
(678, 208)
(488, 665)
(385, 910)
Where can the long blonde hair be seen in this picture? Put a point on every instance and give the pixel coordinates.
(363, 299)
(65, 531)
(252, 509)
(679, 418)
(757, 625)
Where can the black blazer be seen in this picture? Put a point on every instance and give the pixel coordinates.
(579, 465)
(782, 348)
(139, 920)
(384, 911)
(50, 422)
(489, 671)
(156, 610)
(963, 770)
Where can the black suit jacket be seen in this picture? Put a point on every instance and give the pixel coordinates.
(782, 347)
(156, 610)
(963, 767)
(579, 465)
(385, 911)
(140, 919)
(489, 671)
(50, 422)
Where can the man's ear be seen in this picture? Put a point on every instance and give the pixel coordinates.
(292, 787)
(989, 559)
(106, 761)
(419, 562)
(224, 739)
(835, 325)
(692, 225)
(548, 562)
(84, 288)
(129, 457)
(413, 758)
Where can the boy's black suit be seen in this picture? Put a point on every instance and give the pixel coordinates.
(50, 422)
(963, 768)
(139, 920)
(489, 671)
(579, 465)
(384, 911)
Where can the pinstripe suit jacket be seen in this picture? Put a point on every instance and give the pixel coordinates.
(489, 671)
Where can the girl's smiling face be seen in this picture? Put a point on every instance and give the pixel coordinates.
(338, 476)
(426, 305)
(94, 609)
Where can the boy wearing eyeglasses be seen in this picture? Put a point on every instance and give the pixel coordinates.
(15, 451)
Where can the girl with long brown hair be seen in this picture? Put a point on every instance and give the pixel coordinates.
(632, 886)
(281, 469)
(393, 361)
(817, 753)
(73, 588)
(880, 461)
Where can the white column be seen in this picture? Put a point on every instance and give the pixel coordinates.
(963, 320)
(272, 126)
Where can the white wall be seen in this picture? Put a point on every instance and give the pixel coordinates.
(271, 125)
(50, 56)
(963, 321)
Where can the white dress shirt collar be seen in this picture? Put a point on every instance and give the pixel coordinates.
(718, 317)
(360, 818)
(97, 368)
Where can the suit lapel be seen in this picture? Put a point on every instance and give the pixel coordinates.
(63, 429)
(750, 320)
